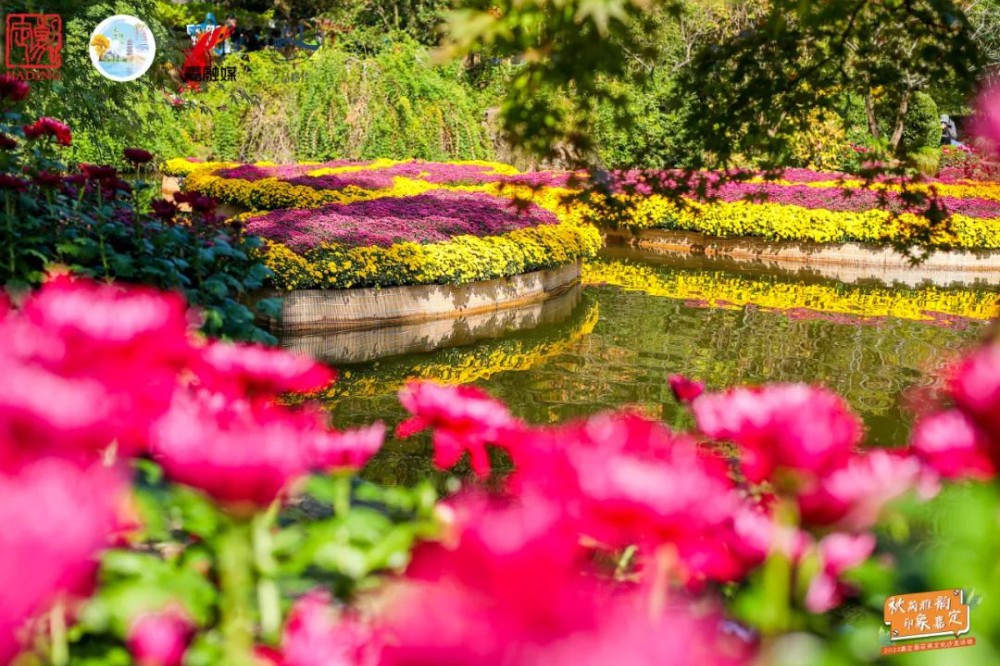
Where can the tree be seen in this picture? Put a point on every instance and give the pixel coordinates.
(756, 79)
(101, 44)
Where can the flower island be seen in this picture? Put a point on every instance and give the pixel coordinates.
(366, 244)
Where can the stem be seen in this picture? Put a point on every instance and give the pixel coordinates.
(100, 233)
(775, 616)
(235, 562)
(665, 561)
(268, 599)
(57, 635)
(9, 217)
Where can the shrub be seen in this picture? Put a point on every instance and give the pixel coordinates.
(922, 125)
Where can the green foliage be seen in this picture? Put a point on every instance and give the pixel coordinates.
(922, 127)
(106, 115)
(395, 104)
(640, 130)
(95, 227)
(342, 533)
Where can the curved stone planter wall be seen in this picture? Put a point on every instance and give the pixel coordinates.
(362, 346)
(844, 261)
(319, 310)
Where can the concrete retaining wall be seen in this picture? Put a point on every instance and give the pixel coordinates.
(318, 310)
(851, 259)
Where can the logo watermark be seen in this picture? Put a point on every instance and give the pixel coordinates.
(927, 615)
(34, 46)
(122, 48)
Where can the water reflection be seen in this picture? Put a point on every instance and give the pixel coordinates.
(618, 344)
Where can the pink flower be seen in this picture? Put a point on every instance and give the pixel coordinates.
(954, 446)
(838, 552)
(56, 518)
(976, 390)
(43, 413)
(684, 389)
(987, 116)
(249, 370)
(794, 428)
(463, 418)
(510, 572)
(317, 635)
(853, 496)
(236, 452)
(88, 332)
(350, 449)
(159, 639)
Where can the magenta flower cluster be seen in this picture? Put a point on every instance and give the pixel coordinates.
(425, 218)
(375, 178)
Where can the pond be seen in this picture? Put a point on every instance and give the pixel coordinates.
(638, 318)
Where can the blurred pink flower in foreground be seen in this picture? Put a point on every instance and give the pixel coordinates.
(800, 430)
(464, 420)
(516, 579)
(976, 390)
(159, 639)
(986, 124)
(318, 635)
(235, 451)
(838, 552)
(248, 370)
(56, 517)
(854, 496)
(953, 445)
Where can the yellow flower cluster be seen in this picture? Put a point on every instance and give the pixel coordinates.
(182, 167)
(731, 291)
(460, 365)
(966, 189)
(794, 223)
(456, 261)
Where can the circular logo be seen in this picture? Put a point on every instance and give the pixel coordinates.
(122, 48)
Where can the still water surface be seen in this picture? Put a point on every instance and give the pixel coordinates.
(612, 343)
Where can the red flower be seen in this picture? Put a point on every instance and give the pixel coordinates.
(317, 635)
(159, 639)
(800, 429)
(98, 171)
(13, 89)
(164, 210)
(684, 389)
(463, 418)
(197, 202)
(49, 127)
(8, 182)
(48, 179)
(7, 142)
(138, 155)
